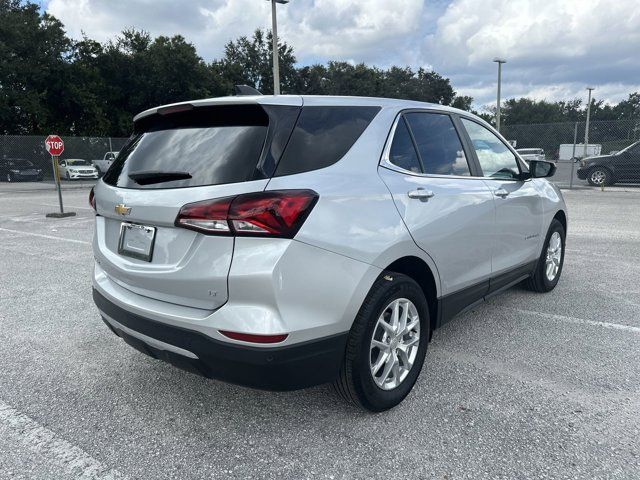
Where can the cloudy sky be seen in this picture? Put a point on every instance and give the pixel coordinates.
(554, 48)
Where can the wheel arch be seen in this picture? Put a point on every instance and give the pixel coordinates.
(561, 216)
(603, 166)
(417, 269)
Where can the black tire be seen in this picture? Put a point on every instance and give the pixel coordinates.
(67, 176)
(9, 177)
(355, 382)
(597, 173)
(539, 282)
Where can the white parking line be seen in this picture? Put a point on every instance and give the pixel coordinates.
(75, 462)
(50, 237)
(564, 318)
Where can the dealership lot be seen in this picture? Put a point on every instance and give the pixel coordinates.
(524, 386)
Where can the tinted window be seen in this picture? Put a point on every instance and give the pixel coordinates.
(438, 144)
(402, 152)
(213, 146)
(322, 136)
(634, 149)
(19, 162)
(495, 158)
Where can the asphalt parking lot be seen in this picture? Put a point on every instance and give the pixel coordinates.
(524, 386)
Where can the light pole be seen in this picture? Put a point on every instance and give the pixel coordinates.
(499, 61)
(274, 35)
(586, 128)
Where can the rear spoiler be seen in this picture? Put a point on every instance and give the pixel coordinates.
(245, 99)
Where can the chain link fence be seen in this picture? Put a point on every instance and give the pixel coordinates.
(560, 142)
(32, 149)
(565, 144)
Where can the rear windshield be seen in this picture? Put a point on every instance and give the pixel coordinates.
(204, 147)
(19, 162)
(224, 144)
(322, 136)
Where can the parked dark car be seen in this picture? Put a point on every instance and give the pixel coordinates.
(19, 169)
(623, 166)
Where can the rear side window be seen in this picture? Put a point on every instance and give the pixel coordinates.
(322, 136)
(438, 144)
(402, 152)
(204, 147)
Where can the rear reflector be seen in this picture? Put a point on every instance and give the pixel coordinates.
(252, 338)
(278, 213)
(209, 216)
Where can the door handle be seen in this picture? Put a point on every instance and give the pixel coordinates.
(421, 194)
(501, 192)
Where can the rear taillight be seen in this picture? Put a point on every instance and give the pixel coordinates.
(278, 213)
(209, 216)
(92, 199)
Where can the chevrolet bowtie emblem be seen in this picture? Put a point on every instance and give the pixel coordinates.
(122, 209)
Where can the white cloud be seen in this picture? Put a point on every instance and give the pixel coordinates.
(554, 48)
(335, 29)
(367, 30)
(478, 30)
(209, 24)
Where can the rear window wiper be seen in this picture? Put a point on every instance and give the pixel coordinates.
(148, 177)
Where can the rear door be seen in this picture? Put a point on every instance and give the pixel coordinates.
(627, 163)
(448, 212)
(174, 159)
(518, 223)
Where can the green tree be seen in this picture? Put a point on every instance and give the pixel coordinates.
(139, 72)
(629, 108)
(248, 62)
(462, 102)
(33, 58)
(49, 83)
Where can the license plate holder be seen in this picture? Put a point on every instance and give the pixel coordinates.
(136, 241)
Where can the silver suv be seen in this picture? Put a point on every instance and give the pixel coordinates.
(283, 242)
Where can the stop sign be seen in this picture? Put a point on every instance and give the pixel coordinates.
(54, 145)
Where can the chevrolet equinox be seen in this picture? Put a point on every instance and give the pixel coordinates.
(280, 242)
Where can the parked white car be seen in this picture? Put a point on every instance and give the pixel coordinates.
(528, 154)
(103, 164)
(76, 168)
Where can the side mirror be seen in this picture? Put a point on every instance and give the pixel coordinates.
(541, 169)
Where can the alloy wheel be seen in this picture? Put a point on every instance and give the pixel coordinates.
(554, 255)
(394, 344)
(598, 177)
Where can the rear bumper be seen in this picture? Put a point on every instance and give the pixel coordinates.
(289, 367)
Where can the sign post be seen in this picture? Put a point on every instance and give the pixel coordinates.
(55, 147)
